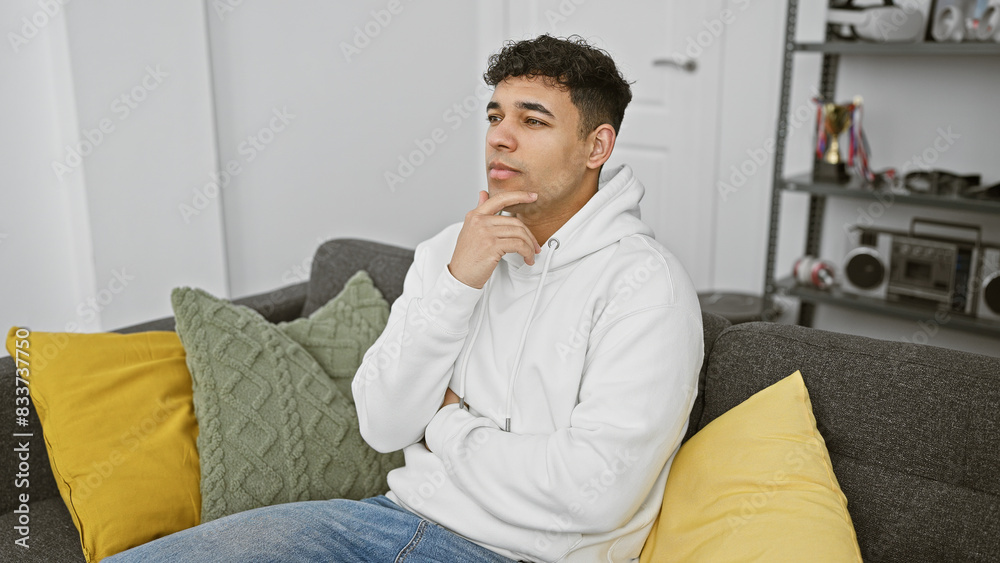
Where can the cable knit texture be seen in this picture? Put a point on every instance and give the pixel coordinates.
(274, 406)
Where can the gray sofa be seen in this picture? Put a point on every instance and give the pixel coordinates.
(913, 431)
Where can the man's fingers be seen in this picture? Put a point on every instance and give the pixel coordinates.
(518, 245)
(518, 232)
(495, 204)
(483, 196)
(513, 227)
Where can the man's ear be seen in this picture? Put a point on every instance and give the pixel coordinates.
(603, 142)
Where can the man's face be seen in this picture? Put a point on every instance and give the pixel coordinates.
(533, 144)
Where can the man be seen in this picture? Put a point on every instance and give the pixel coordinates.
(564, 340)
(538, 369)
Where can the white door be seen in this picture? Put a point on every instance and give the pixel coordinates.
(668, 135)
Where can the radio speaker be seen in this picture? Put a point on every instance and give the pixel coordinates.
(989, 290)
(866, 267)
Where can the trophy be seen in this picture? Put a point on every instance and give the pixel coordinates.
(831, 120)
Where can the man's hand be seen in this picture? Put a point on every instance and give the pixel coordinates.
(449, 398)
(486, 237)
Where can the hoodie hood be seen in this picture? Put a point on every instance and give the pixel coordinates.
(611, 215)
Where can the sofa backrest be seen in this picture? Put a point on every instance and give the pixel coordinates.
(913, 432)
(337, 260)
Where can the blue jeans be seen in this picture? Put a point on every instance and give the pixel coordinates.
(374, 529)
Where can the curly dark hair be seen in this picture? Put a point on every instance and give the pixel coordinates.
(596, 86)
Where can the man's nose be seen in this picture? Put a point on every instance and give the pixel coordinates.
(501, 136)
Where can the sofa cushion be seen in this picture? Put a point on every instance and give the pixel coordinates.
(275, 426)
(755, 485)
(119, 425)
(911, 430)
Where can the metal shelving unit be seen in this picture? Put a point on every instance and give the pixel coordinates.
(804, 184)
(837, 47)
(831, 51)
(834, 296)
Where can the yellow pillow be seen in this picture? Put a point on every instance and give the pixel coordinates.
(120, 431)
(756, 484)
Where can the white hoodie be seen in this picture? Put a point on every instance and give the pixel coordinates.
(590, 357)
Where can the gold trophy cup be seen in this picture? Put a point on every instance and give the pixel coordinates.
(834, 119)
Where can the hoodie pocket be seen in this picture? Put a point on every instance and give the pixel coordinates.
(628, 547)
(554, 546)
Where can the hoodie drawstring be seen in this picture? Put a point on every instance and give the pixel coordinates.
(553, 244)
(475, 334)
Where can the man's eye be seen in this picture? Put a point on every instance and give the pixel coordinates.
(533, 121)
(493, 118)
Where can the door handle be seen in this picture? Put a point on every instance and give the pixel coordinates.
(677, 61)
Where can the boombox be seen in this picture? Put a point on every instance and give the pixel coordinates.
(957, 275)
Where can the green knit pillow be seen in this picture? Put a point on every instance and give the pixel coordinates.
(276, 418)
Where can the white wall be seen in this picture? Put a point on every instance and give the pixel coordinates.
(44, 235)
(141, 69)
(114, 123)
(369, 84)
(142, 208)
